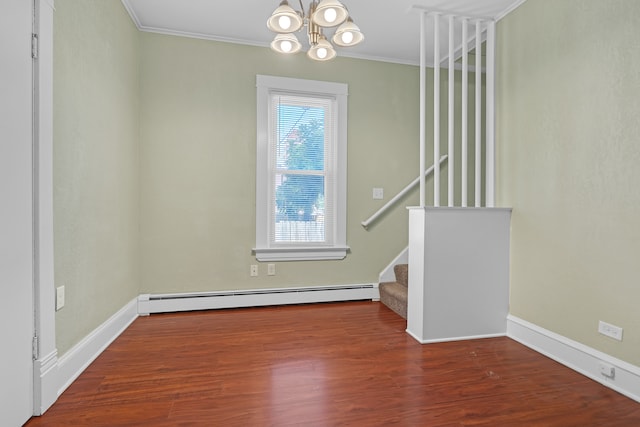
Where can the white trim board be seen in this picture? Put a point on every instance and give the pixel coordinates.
(451, 339)
(579, 357)
(44, 381)
(45, 390)
(164, 303)
(508, 10)
(80, 356)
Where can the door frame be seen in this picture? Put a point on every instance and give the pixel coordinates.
(45, 364)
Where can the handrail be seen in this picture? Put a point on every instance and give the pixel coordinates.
(398, 196)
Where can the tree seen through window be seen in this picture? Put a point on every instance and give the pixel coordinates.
(300, 181)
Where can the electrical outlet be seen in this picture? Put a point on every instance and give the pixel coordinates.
(59, 297)
(254, 270)
(271, 269)
(610, 330)
(607, 370)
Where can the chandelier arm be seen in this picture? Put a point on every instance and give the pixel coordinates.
(302, 8)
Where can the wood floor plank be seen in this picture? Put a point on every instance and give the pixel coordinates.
(336, 364)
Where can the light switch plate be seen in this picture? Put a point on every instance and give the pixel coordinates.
(59, 297)
(378, 193)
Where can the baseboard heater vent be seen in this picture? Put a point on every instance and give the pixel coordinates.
(164, 303)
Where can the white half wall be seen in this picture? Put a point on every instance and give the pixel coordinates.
(461, 263)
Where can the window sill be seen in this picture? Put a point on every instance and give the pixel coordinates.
(301, 254)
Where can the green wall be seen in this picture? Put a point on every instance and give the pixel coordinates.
(568, 154)
(198, 157)
(198, 151)
(96, 189)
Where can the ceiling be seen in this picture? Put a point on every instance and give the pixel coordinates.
(391, 27)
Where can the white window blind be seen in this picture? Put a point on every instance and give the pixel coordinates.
(301, 170)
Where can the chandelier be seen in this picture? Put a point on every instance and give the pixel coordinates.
(321, 15)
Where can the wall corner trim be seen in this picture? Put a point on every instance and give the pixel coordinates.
(577, 356)
(132, 13)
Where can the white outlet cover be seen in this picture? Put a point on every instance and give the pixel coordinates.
(607, 370)
(610, 330)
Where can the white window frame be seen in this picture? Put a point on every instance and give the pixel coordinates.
(267, 250)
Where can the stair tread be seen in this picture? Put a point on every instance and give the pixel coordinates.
(393, 283)
(395, 289)
(396, 294)
(402, 273)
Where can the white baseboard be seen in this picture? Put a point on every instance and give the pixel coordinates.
(45, 387)
(80, 356)
(450, 339)
(164, 303)
(576, 356)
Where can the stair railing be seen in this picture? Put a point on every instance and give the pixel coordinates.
(400, 194)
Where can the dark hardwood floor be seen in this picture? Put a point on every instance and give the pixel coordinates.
(324, 365)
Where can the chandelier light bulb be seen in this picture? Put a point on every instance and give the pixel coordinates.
(284, 22)
(347, 37)
(285, 19)
(348, 34)
(286, 46)
(322, 50)
(286, 43)
(330, 15)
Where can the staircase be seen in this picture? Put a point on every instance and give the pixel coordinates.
(394, 294)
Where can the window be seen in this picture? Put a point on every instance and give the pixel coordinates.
(301, 179)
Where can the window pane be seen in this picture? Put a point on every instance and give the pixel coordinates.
(301, 139)
(299, 208)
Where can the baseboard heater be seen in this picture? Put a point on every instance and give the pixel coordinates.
(165, 303)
